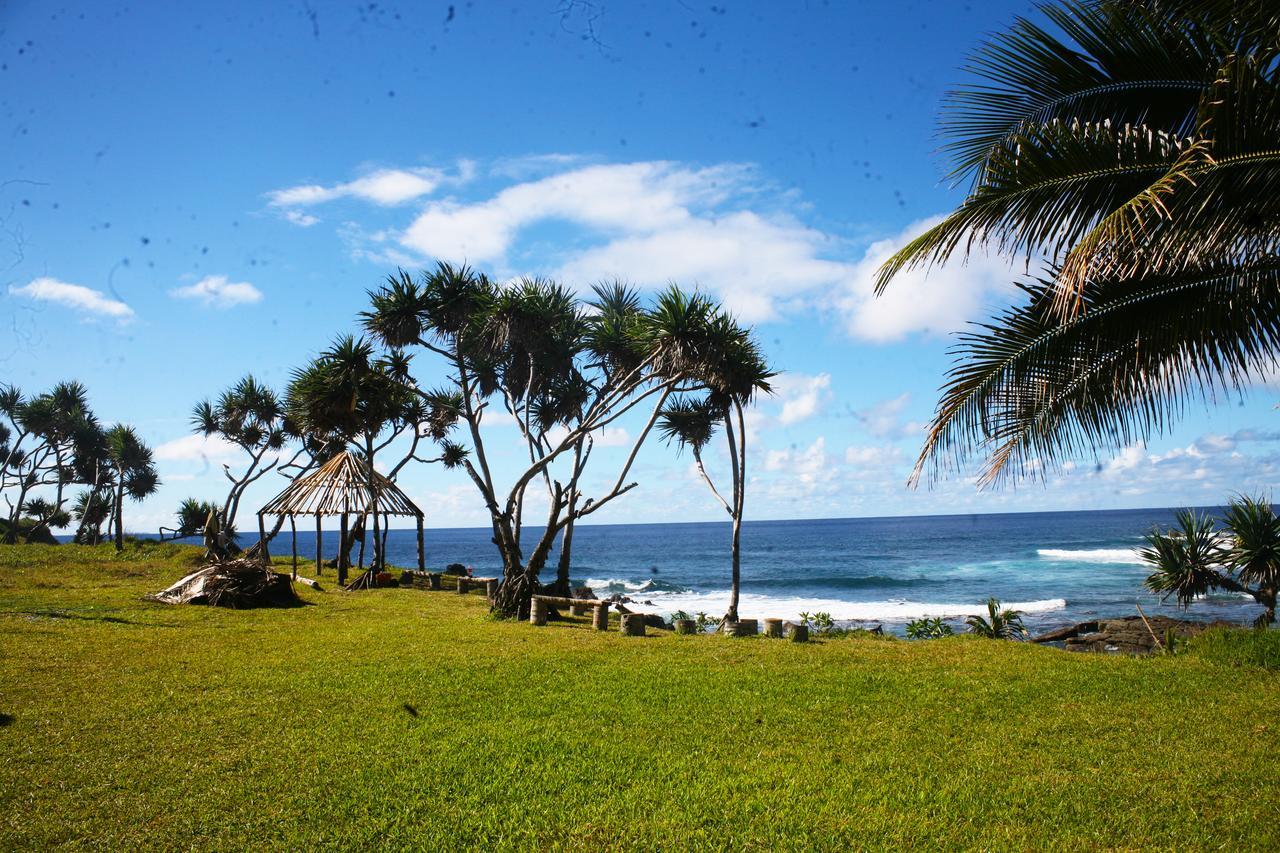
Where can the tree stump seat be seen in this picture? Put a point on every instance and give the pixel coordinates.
(467, 583)
(599, 616)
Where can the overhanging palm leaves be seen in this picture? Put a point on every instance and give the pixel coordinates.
(1134, 148)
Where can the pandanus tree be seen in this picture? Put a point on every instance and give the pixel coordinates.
(192, 518)
(734, 372)
(353, 394)
(133, 473)
(250, 416)
(562, 370)
(1197, 558)
(46, 445)
(1129, 149)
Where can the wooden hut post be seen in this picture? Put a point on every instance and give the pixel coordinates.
(386, 531)
(293, 538)
(422, 552)
(344, 550)
(262, 537)
(319, 544)
(364, 534)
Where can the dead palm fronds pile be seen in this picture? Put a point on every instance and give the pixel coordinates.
(236, 584)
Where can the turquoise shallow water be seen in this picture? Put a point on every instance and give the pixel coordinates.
(1057, 567)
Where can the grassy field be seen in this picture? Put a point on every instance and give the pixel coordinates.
(404, 718)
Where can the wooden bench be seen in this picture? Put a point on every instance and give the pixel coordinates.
(577, 607)
(466, 584)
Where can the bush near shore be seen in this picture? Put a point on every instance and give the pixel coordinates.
(408, 718)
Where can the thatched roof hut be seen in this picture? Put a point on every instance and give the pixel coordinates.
(343, 486)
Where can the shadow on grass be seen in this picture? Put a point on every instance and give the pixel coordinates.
(6, 720)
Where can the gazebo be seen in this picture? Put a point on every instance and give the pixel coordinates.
(340, 487)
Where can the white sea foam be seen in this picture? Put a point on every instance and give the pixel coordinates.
(1092, 555)
(783, 607)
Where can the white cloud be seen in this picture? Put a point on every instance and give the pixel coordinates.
(611, 437)
(723, 228)
(871, 456)
(934, 301)
(802, 396)
(659, 221)
(86, 300)
(385, 187)
(196, 448)
(885, 418)
(303, 220)
(217, 291)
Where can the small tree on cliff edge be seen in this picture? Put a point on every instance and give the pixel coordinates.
(734, 371)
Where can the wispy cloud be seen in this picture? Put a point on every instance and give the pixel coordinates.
(385, 187)
(216, 291)
(197, 448)
(77, 297)
(802, 396)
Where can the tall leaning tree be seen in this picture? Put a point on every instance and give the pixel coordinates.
(250, 416)
(1131, 152)
(734, 372)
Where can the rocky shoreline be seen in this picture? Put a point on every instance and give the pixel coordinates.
(1128, 635)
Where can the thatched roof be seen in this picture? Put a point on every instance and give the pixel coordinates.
(341, 485)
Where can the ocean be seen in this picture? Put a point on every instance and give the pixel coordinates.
(1058, 567)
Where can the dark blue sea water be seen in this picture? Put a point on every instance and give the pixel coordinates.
(1057, 567)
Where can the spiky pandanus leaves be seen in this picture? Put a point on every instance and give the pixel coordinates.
(1196, 558)
(690, 422)
(1188, 560)
(135, 471)
(1255, 542)
(1135, 149)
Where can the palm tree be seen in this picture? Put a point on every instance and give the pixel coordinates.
(1129, 148)
(1000, 624)
(730, 366)
(134, 472)
(1197, 558)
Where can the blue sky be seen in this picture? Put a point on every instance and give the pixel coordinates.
(190, 195)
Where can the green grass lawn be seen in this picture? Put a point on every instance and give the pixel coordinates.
(410, 719)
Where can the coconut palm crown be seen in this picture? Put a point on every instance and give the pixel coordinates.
(1131, 151)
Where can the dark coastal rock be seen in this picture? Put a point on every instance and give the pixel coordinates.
(583, 592)
(653, 620)
(1128, 635)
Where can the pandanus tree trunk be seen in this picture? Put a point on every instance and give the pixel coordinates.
(117, 510)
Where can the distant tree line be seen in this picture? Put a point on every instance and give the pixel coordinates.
(52, 442)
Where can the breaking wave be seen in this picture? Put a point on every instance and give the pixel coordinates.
(1092, 555)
